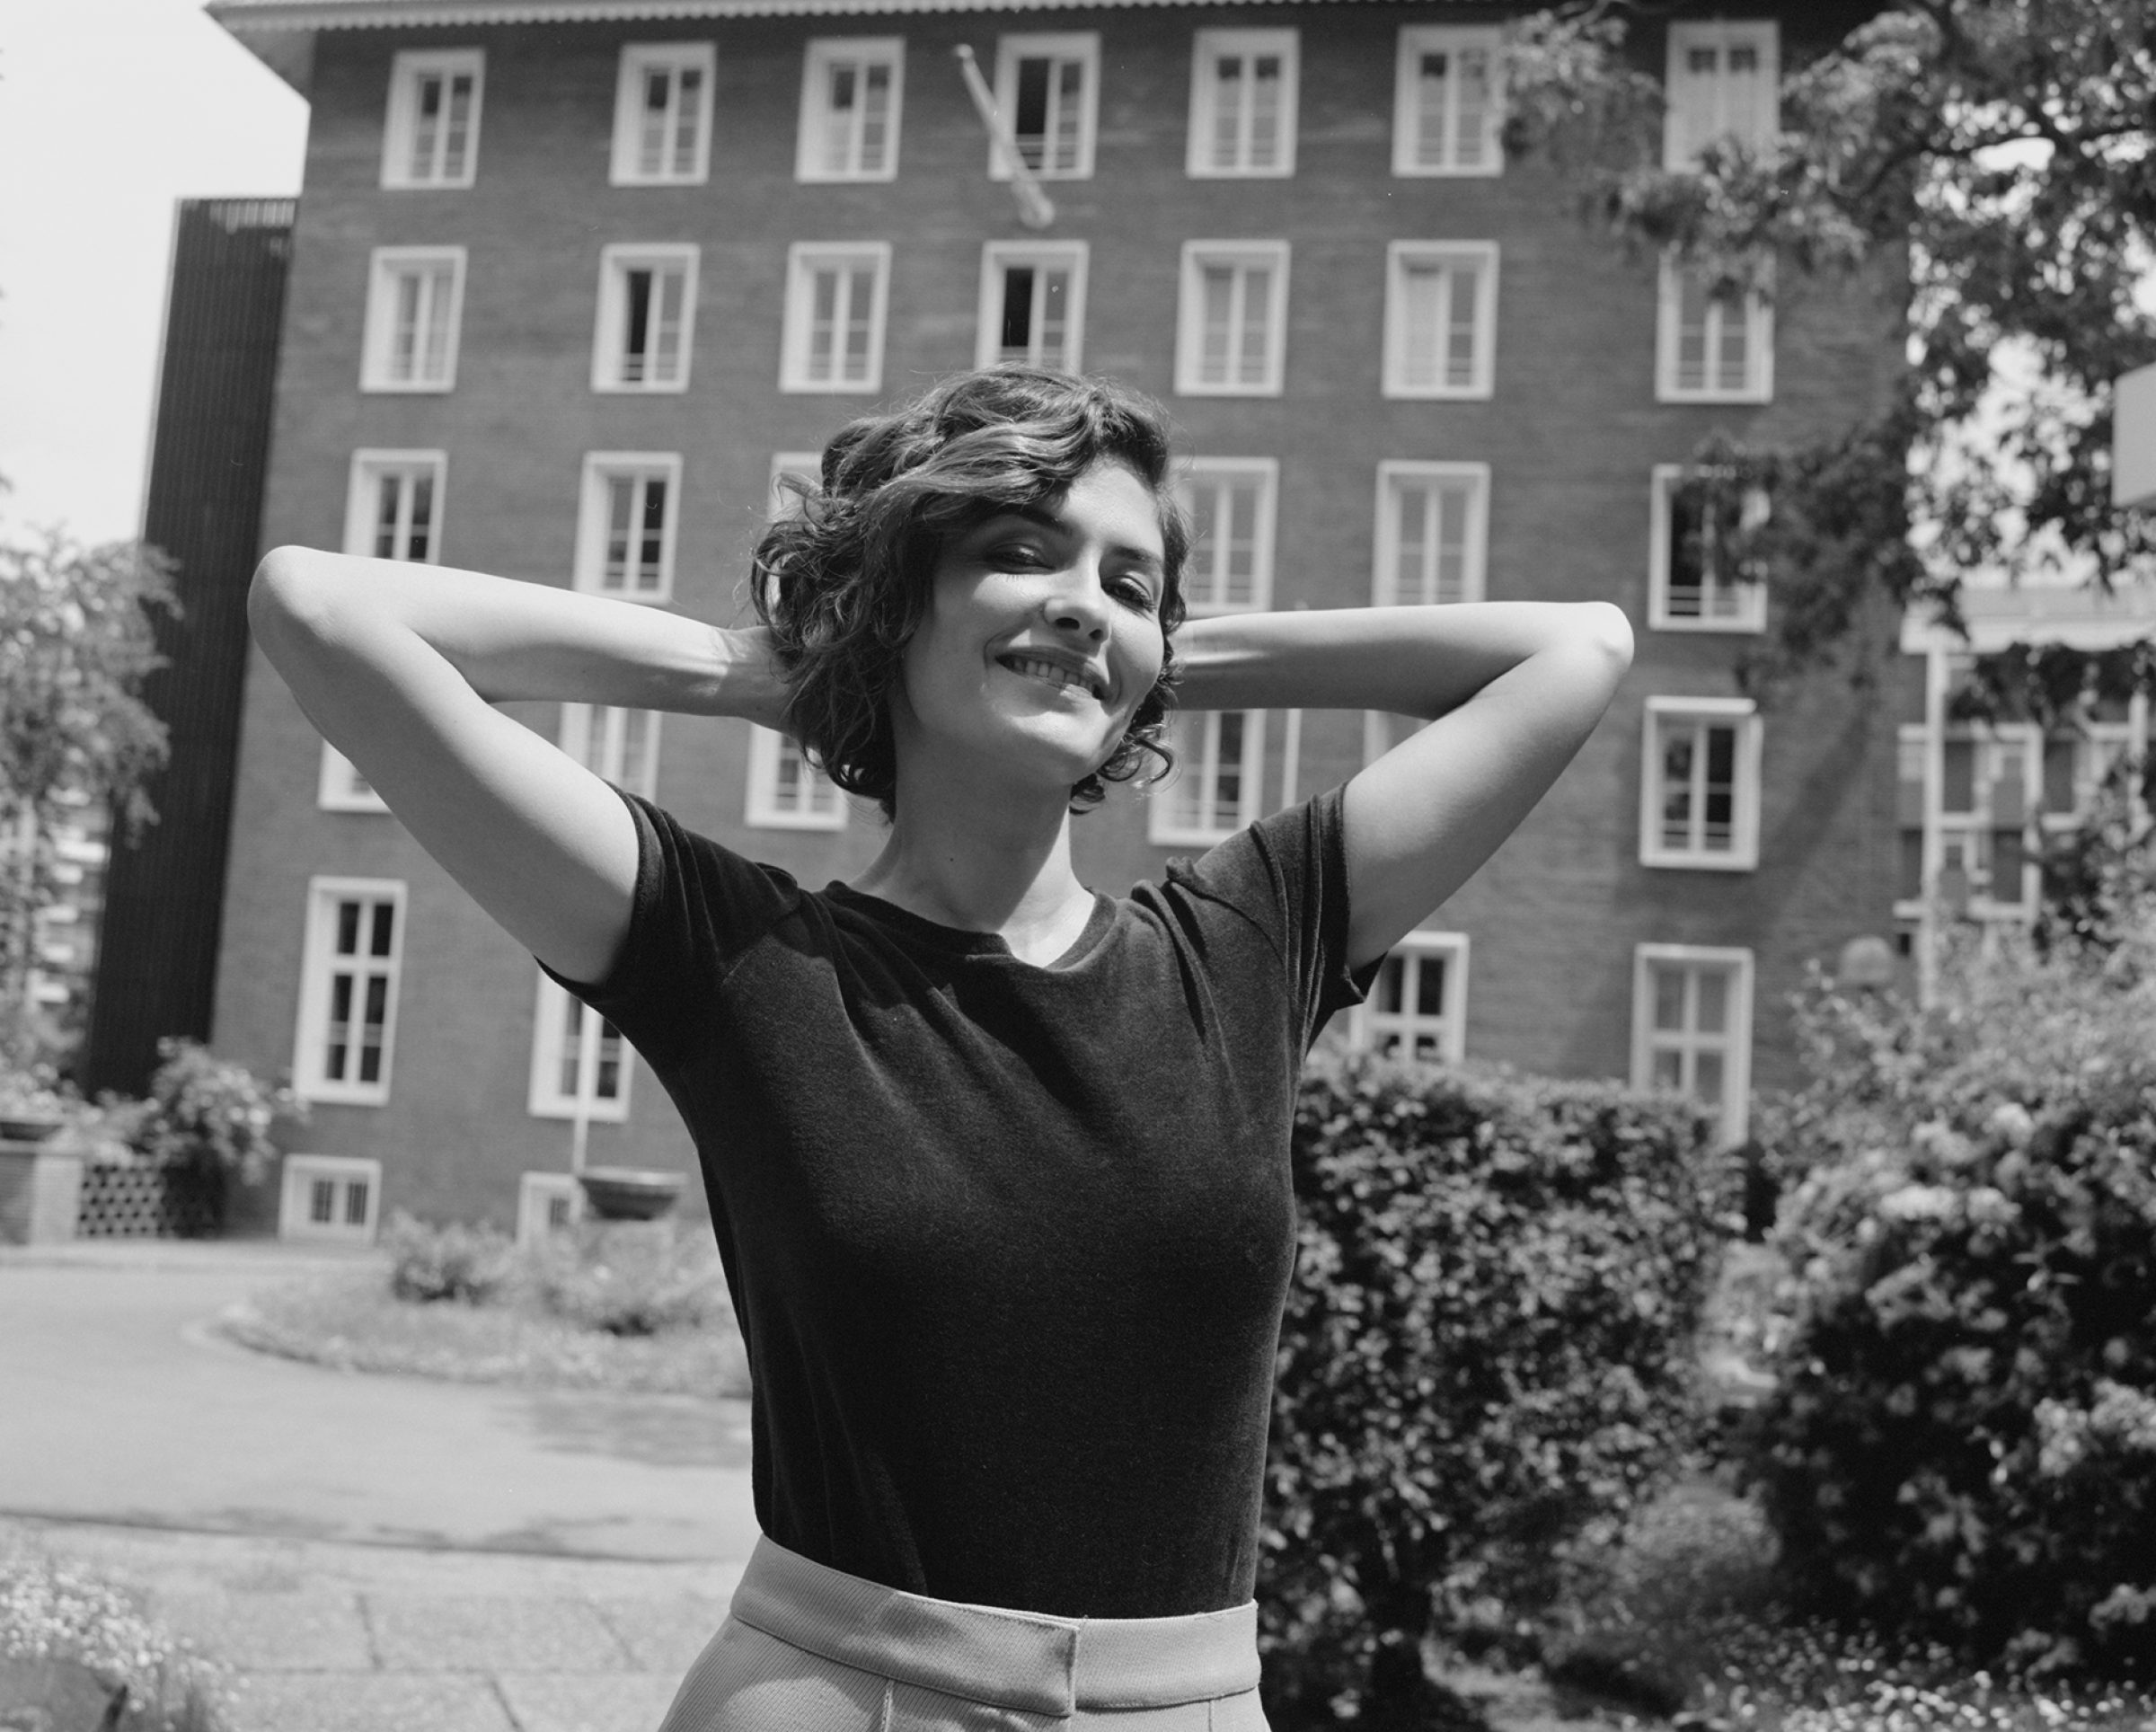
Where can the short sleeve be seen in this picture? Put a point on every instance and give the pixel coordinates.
(1287, 876)
(696, 909)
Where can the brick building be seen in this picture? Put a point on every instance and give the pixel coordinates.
(570, 280)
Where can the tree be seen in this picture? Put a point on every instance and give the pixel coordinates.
(77, 643)
(1998, 152)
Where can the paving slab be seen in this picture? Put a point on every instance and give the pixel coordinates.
(494, 1632)
(349, 1702)
(298, 1631)
(568, 1702)
(664, 1635)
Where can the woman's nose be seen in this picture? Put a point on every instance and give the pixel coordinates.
(1078, 603)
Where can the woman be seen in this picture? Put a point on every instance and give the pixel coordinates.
(998, 1167)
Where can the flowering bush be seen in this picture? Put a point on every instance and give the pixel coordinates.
(1962, 1443)
(208, 1120)
(49, 1613)
(428, 1264)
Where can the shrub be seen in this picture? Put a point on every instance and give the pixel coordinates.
(630, 1277)
(53, 1612)
(1487, 1352)
(429, 1264)
(1962, 1445)
(208, 1120)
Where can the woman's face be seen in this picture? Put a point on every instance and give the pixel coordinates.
(1042, 634)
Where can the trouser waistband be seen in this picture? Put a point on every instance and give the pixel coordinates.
(1022, 1660)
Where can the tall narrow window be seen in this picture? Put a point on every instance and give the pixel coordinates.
(785, 790)
(1048, 92)
(619, 744)
(1700, 783)
(1711, 348)
(1692, 1028)
(1231, 330)
(1693, 584)
(1230, 501)
(415, 296)
(1722, 82)
(834, 303)
(1441, 318)
(662, 114)
(647, 318)
(431, 135)
(1242, 102)
(348, 1000)
(1418, 1005)
(393, 505)
(577, 1058)
(625, 524)
(853, 88)
(1433, 533)
(1448, 100)
(1213, 791)
(1032, 304)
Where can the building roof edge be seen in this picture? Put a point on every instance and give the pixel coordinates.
(242, 17)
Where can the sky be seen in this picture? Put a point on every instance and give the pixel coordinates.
(109, 111)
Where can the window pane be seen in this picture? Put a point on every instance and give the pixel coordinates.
(322, 1201)
(1669, 997)
(1386, 995)
(355, 1202)
(1257, 319)
(1707, 1078)
(1430, 985)
(1713, 1016)
(348, 929)
(385, 914)
(875, 119)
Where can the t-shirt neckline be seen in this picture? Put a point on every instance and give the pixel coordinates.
(965, 941)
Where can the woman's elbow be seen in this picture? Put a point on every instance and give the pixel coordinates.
(287, 590)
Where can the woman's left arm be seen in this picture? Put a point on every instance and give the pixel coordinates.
(1514, 689)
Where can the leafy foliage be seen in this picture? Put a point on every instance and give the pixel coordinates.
(429, 1264)
(1487, 1351)
(632, 1278)
(208, 1119)
(1962, 1445)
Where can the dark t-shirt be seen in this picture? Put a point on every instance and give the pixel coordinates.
(1008, 1244)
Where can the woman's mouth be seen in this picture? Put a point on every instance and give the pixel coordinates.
(1055, 673)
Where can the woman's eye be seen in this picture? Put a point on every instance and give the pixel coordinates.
(1134, 592)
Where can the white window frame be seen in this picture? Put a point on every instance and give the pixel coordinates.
(1205, 47)
(339, 787)
(1758, 314)
(1370, 1027)
(1764, 34)
(1196, 474)
(405, 71)
(1083, 46)
(1393, 475)
(823, 54)
(803, 258)
(1453, 40)
(384, 266)
(1740, 714)
(824, 807)
(370, 465)
(536, 1194)
(609, 340)
(550, 1041)
(1751, 613)
(297, 1183)
(1196, 740)
(311, 1025)
(1400, 257)
(997, 257)
(594, 519)
(1190, 316)
(638, 60)
(1735, 1041)
(597, 735)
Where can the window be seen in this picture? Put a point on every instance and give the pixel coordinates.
(1441, 318)
(1721, 84)
(785, 790)
(625, 529)
(577, 1056)
(546, 1203)
(619, 744)
(414, 299)
(329, 1196)
(852, 90)
(647, 318)
(1433, 533)
(1418, 1005)
(662, 115)
(835, 301)
(1032, 304)
(1232, 330)
(341, 788)
(1448, 100)
(1047, 89)
(393, 505)
(1699, 784)
(1213, 791)
(1997, 783)
(1242, 102)
(1692, 583)
(431, 135)
(1711, 349)
(348, 992)
(1692, 1028)
(1230, 505)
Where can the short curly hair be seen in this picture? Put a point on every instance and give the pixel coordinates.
(843, 582)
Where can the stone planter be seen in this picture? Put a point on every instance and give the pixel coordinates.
(30, 1126)
(631, 1193)
(40, 1193)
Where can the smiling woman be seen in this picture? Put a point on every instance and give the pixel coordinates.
(998, 1165)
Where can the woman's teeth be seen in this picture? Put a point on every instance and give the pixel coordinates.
(1047, 670)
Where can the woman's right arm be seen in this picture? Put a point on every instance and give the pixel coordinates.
(399, 665)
